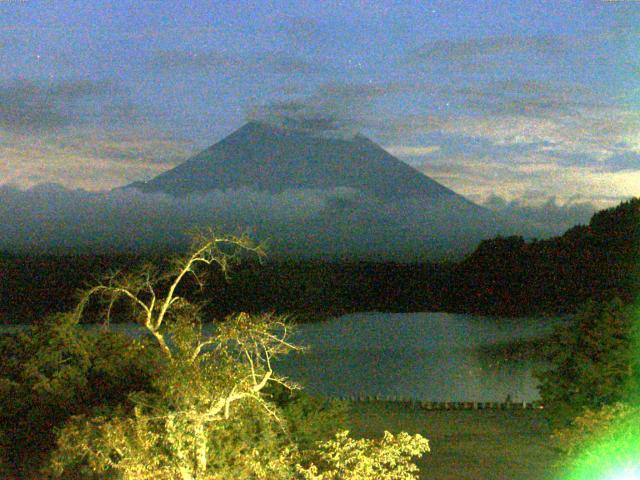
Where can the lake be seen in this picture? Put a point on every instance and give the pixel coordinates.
(420, 356)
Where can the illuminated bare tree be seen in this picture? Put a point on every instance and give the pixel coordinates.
(141, 286)
(171, 430)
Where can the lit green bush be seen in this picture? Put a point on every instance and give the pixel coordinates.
(178, 403)
(204, 416)
(55, 370)
(344, 458)
(308, 419)
(601, 444)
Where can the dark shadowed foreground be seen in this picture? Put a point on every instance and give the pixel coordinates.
(467, 445)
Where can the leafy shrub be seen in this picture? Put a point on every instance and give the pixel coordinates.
(309, 419)
(201, 418)
(179, 404)
(55, 370)
(345, 458)
(593, 361)
(201, 413)
(590, 426)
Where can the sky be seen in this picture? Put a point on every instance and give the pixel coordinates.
(512, 104)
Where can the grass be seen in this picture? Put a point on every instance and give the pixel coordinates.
(467, 444)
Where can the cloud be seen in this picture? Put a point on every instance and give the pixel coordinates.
(524, 111)
(340, 108)
(302, 31)
(216, 62)
(477, 147)
(586, 56)
(510, 160)
(546, 215)
(409, 151)
(474, 49)
(176, 33)
(622, 162)
(518, 134)
(124, 219)
(509, 111)
(93, 158)
(592, 130)
(83, 133)
(526, 97)
(28, 105)
(338, 222)
(184, 59)
(298, 115)
(474, 55)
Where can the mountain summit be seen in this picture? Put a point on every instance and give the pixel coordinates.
(261, 157)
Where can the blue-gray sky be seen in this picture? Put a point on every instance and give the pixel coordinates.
(524, 100)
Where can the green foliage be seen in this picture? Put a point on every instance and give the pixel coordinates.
(205, 415)
(555, 275)
(592, 426)
(180, 429)
(4, 460)
(138, 445)
(202, 415)
(57, 369)
(600, 443)
(345, 458)
(593, 361)
(308, 419)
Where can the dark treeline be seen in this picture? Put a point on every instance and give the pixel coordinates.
(311, 288)
(503, 276)
(599, 261)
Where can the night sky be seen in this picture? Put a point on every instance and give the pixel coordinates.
(499, 100)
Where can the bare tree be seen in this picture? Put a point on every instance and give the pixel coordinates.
(141, 286)
(205, 374)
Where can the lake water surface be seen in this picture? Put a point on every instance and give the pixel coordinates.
(420, 356)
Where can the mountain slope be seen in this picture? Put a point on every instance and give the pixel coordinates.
(262, 157)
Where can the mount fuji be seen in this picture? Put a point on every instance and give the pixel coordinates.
(374, 205)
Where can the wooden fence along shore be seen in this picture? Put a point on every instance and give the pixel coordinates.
(506, 405)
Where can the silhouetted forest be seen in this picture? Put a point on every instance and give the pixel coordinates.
(599, 260)
(503, 276)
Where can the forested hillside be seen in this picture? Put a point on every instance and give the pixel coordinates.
(598, 260)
